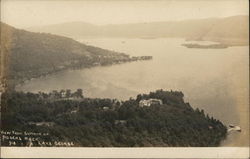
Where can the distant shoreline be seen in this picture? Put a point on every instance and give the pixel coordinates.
(208, 46)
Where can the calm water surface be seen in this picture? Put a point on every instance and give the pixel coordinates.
(215, 80)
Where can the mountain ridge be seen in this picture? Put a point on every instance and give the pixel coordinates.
(225, 30)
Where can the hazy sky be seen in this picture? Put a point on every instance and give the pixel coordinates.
(26, 13)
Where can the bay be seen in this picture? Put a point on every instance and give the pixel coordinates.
(216, 80)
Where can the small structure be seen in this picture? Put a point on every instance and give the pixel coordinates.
(63, 94)
(210, 127)
(149, 102)
(73, 111)
(105, 108)
(233, 128)
(120, 122)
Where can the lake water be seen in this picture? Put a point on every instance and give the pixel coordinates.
(215, 80)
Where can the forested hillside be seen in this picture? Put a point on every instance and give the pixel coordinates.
(29, 55)
(98, 122)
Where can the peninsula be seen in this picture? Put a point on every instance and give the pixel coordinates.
(160, 118)
(28, 55)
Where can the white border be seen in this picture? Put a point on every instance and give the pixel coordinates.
(67, 152)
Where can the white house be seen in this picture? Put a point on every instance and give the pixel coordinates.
(149, 102)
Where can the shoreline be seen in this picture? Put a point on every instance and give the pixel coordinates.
(13, 85)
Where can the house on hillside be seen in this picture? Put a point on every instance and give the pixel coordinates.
(150, 102)
(105, 108)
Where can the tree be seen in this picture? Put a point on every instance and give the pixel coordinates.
(55, 94)
(68, 93)
(79, 93)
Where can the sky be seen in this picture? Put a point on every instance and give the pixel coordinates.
(27, 13)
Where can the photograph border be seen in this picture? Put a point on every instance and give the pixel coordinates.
(141, 152)
(67, 152)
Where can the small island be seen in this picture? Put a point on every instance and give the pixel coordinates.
(210, 46)
(160, 118)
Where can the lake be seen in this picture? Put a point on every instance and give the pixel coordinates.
(216, 80)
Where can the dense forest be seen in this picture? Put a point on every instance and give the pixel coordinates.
(26, 55)
(69, 116)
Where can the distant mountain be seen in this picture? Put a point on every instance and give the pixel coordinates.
(26, 55)
(230, 30)
(66, 29)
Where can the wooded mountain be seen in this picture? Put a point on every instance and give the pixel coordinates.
(230, 30)
(30, 55)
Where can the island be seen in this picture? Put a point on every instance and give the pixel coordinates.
(209, 46)
(67, 118)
